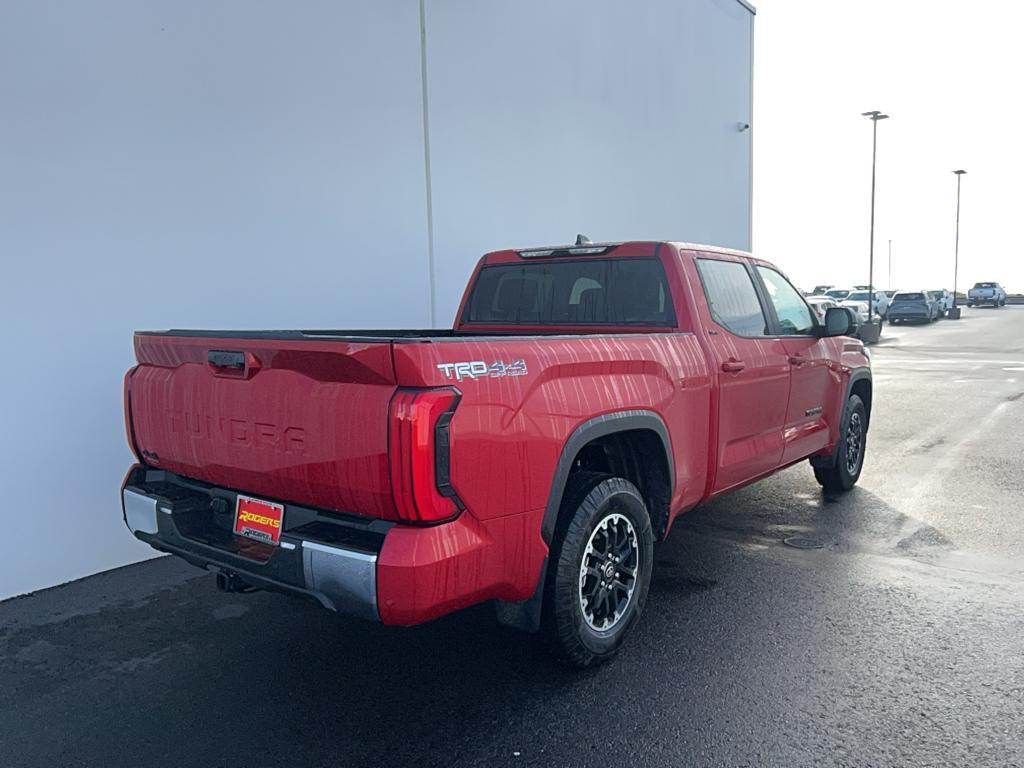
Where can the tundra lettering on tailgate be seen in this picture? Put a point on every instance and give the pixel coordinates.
(258, 434)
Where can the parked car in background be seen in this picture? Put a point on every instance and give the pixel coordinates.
(837, 294)
(821, 305)
(819, 290)
(944, 299)
(879, 306)
(404, 475)
(860, 309)
(913, 306)
(992, 294)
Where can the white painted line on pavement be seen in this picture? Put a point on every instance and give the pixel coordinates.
(877, 359)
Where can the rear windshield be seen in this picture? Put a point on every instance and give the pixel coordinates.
(984, 285)
(908, 297)
(837, 293)
(572, 292)
(859, 296)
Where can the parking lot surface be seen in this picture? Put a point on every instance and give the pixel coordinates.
(898, 640)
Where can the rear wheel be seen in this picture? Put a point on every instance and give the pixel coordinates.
(600, 568)
(849, 460)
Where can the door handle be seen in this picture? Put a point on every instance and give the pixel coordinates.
(797, 359)
(733, 366)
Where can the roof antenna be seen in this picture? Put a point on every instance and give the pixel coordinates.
(583, 240)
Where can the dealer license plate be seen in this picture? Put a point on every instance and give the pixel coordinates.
(258, 519)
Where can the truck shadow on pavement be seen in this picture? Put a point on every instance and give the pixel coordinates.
(199, 677)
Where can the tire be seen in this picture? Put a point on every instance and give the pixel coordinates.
(602, 517)
(843, 475)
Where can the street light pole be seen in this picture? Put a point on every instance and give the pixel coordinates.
(874, 116)
(956, 248)
(888, 279)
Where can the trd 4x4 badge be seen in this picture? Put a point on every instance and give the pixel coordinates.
(476, 369)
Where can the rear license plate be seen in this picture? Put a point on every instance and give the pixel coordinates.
(258, 519)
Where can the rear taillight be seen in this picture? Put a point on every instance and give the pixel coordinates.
(129, 427)
(419, 448)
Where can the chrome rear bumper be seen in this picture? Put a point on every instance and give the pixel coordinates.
(341, 578)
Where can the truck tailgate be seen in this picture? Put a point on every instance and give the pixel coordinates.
(304, 421)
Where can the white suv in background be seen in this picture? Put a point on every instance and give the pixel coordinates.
(880, 305)
(944, 299)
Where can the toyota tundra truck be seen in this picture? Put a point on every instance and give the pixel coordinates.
(530, 456)
(992, 294)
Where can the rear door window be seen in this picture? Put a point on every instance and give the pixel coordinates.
(732, 297)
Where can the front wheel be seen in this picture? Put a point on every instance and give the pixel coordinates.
(600, 568)
(849, 459)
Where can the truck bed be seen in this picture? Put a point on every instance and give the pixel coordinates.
(398, 335)
(381, 335)
(302, 415)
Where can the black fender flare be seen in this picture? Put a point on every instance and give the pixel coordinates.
(858, 374)
(824, 461)
(592, 429)
(525, 615)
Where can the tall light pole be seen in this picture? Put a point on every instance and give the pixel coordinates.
(874, 115)
(888, 279)
(956, 249)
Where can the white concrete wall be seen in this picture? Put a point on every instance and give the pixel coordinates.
(614, 119)
(183, 164)
(261, 164)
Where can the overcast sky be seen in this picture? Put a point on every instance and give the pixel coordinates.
(951, 75)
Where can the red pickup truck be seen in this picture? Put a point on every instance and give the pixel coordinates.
(530, 456)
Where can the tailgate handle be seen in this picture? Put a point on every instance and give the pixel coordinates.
(231, 363)
(220, 359)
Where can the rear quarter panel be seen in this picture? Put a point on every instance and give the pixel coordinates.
(509, 430)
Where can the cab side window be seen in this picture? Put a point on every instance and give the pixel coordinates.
(795, 318)
(732, 297)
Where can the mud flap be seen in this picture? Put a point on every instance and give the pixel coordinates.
(525, 614)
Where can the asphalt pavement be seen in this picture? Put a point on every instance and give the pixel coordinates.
(897, 640)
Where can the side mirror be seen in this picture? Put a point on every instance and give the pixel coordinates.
(840, 321)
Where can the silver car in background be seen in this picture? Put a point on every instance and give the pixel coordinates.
(913, 306)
